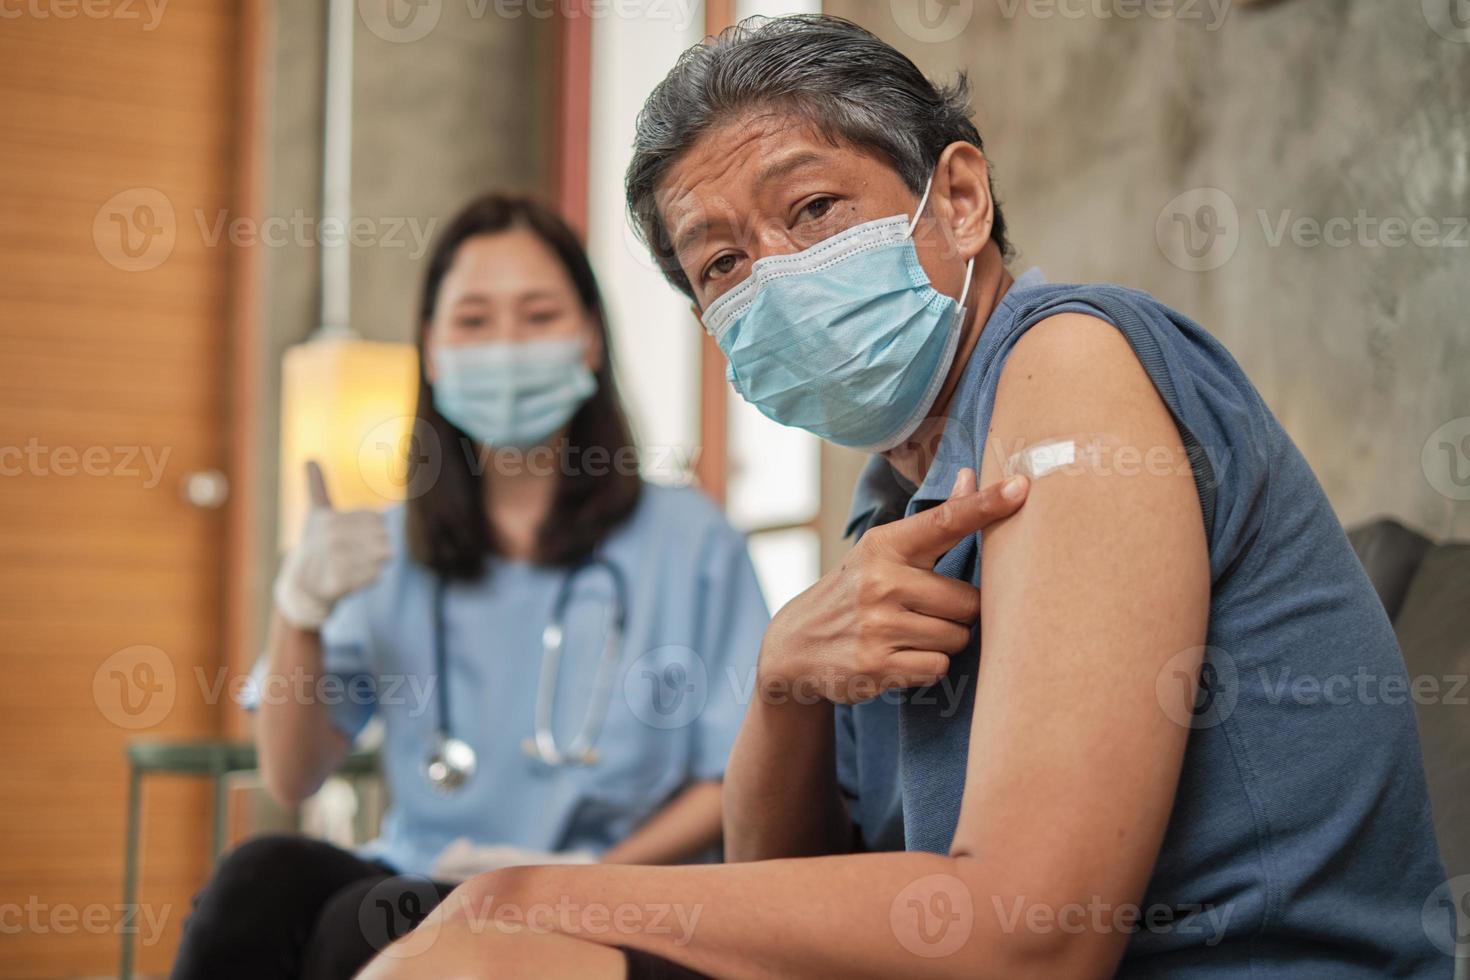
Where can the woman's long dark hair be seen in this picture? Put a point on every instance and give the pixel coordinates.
(448, 527)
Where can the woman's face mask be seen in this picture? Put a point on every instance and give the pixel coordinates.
(510, 343)
(847, 339)
(512, 394)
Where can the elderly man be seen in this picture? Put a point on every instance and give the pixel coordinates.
(1131, 780)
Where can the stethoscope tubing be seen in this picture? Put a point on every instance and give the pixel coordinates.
(543, 744)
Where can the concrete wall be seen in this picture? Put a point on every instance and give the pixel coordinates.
(449, 104)
(1315, 109)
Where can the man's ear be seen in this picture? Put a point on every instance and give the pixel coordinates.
(962, 182)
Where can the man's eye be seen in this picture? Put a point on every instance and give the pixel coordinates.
(469, 322)
(818, 207)
(721, 266)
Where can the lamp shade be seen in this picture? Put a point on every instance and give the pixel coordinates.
(347, 403)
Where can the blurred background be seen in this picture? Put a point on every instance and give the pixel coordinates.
(213, 219)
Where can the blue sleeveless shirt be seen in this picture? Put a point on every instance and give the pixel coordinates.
(1301, 842)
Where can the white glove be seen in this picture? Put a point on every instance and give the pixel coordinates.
(338, 553)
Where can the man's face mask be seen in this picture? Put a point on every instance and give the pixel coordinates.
(847, 339)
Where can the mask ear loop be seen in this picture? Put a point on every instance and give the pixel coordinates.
(969, 275)
(969, 266)
(923, 199)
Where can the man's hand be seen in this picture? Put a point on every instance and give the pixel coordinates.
(885, 619)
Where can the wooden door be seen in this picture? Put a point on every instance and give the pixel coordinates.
(119, 152)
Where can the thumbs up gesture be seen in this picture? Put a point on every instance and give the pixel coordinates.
(338, 553)
(885, 619)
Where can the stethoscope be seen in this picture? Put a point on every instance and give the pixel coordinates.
(452, 761)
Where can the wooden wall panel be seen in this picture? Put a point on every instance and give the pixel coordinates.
(102, 349)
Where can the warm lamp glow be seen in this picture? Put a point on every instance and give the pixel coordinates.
(347, 403)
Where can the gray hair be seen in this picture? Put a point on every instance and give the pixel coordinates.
(843, 80)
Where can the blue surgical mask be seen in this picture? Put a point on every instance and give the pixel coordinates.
(847, 339)
(512, 394)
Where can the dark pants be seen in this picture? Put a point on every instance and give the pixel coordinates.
(284, 906)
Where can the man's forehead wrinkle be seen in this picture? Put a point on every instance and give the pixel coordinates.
(680, 205)
(787, 164)
(691, 212)
(731, 153)
(683, 194)
(728, 145)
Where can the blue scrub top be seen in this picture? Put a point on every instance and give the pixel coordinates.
(695, 619)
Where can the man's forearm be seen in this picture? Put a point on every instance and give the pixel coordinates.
(781, 793)
(856, 915)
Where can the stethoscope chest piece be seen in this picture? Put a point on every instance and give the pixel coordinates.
(451, 765)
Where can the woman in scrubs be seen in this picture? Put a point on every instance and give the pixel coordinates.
(525, 512)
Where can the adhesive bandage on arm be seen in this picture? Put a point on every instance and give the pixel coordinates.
(1073, 455)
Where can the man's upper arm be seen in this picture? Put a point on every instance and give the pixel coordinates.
(1087, 593)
